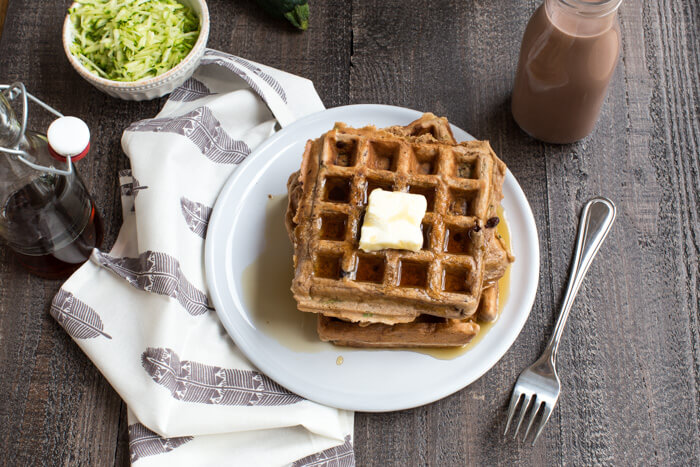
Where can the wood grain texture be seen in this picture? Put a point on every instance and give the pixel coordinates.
(630, 358)
(3, 11)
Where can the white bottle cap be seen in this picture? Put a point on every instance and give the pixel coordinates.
(68, 136)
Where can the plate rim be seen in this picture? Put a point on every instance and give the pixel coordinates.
(219, 214)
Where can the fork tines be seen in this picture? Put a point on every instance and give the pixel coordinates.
(532, 402)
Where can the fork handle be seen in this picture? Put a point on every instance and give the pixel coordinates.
(596, 220)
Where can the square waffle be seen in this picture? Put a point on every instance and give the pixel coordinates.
(424, 331)
(429, 331)
(428, 127)
(327, 201)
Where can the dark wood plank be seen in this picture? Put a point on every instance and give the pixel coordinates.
(56, 405)
(321, 54)
(122, 451)
(3, 11)
(401, 59)
(631, 363)
(58, 408)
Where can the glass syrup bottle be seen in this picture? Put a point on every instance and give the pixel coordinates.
(47, 215)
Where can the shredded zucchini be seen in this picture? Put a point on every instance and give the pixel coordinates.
(132, 40)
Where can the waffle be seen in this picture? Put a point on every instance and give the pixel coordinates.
(428, 128)
(424, 331)
(339, 170)
(342, 324)
(432, 128)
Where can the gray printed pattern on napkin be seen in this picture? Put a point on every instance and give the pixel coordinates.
(190, 90)
(78, 319)
(197, 382)
(338, 456)
(204, 130)
(196, 216)
(158, 273)
(144, 442)
(233, 64)
(188, 381)
(274, 84)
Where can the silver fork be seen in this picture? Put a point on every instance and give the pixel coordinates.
(538, 386)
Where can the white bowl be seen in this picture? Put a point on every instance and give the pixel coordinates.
(150, 88)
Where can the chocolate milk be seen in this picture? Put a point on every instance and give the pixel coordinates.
(568, 55)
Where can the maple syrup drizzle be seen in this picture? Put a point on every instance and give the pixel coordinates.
(327, 266)
(333, 226)
(503, 293)
(265, 284)
(337, 190)
(458, 241)
(370, 268)
(454, 280)
(413, 274)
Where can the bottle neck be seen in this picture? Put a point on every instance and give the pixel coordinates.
(582, 18)
(9, 125)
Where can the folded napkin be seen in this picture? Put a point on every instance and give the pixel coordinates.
(141, 312)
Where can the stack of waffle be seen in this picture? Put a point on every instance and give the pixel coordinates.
(397, 298)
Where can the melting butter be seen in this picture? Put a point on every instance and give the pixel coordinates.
(393, 220)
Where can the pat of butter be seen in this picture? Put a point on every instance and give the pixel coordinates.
(393, 220)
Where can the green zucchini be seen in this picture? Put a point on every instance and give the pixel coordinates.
(295, 11)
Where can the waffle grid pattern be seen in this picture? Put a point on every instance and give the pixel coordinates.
(456, 181)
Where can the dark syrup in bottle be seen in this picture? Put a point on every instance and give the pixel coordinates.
(49, 239)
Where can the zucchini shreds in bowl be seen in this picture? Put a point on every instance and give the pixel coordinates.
(132, 40)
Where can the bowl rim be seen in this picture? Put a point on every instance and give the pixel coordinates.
(174, 73)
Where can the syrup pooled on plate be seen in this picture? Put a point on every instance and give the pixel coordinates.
(266, 282)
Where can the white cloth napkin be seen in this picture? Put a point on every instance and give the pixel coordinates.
(141, 312)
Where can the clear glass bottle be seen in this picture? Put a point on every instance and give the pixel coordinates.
(568, 55)
(46, 215)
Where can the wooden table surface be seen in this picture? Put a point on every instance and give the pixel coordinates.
(630, 359)
(3, 10)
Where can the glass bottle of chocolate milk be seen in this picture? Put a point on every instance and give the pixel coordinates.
(568, 55)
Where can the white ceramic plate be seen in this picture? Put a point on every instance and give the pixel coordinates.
(248, 265)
